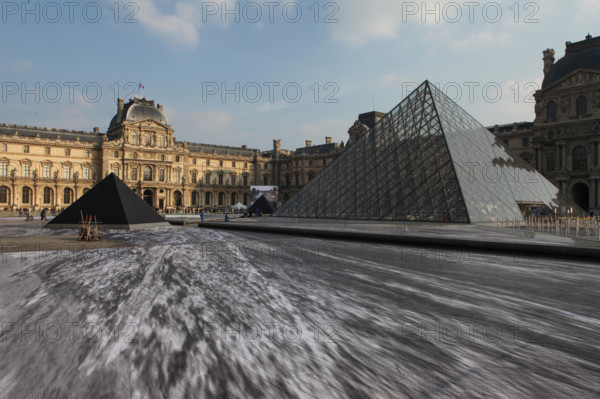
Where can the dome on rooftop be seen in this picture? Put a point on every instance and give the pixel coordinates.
(580, 55)
(138, 109)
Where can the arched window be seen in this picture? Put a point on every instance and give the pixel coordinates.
(4, 195)
(48, 195)
(580, 158)
(195, 198)
(147, 173)
(551, 110)
(26, 195)
(207, 198)
(67, 196)
(221, 198)
(233, 198)
(581, 105)
(178, 198)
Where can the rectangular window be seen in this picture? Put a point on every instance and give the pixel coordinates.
(47, 171)
(194, 161)
(3, 195)
(207, 179)
(86, 172)
(47, 150)
(4, 149)
(26, 149)
(3, 169)
(194, 178)
(245, 180)
(220, 178)
(551, 161)
(67, 152)
(26, 170)
(87, 154)
(233, 180)
(161, 175)
(177, 176)
(116, 171)
(67, 174)
(208, 161)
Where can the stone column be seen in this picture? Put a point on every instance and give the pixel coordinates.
(593, 184)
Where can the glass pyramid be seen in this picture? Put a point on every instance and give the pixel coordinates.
(426, 160)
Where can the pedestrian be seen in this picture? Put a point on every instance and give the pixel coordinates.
(43, 214)
(227, 218)
(202, 215)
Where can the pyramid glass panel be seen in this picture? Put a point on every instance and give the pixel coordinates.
(426, 160)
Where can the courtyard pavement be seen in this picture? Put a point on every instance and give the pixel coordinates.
(211, 313)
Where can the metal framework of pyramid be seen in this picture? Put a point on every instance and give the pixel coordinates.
(426, 160)
(114, 205)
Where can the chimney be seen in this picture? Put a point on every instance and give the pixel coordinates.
(119, 109)
(327, 140)
(308, 143)
(159, 106)
(548, 60)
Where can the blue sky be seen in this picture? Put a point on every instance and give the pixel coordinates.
(63, 65)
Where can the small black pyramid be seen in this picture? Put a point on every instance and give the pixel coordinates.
(262, 205)
(114, 205)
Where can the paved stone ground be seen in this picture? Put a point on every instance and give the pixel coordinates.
(188, 312)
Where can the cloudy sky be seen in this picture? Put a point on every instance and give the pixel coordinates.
(247, 72)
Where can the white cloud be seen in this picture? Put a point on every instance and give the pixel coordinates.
(179, 27)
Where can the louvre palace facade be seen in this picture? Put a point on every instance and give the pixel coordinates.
(563, 142)
(48, 168)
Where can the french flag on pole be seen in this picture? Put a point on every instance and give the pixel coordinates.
(140, 86)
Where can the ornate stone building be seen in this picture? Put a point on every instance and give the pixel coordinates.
(563, 142)
(41, 167)
(46, 168)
